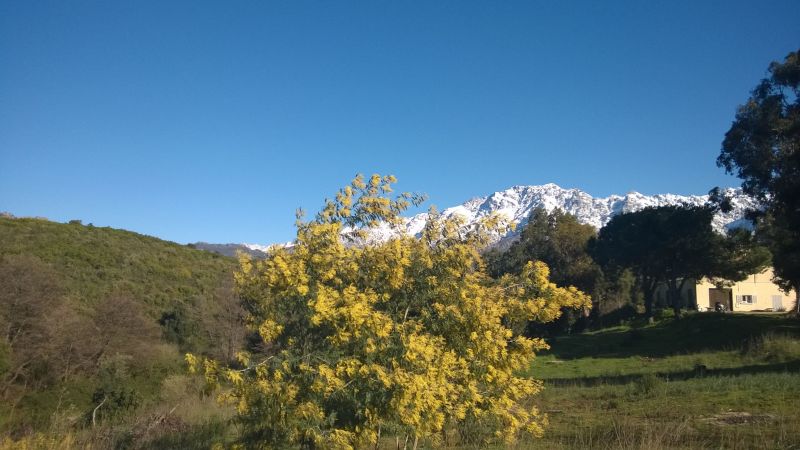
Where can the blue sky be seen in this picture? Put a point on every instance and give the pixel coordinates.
(214, 121)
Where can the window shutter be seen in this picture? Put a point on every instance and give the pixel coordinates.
(755, 299)
(738, 299)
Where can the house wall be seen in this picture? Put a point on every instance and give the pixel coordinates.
(759, 286)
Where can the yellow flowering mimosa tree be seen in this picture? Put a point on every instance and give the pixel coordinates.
(407, 334)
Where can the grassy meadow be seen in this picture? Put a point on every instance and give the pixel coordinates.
(706, 381)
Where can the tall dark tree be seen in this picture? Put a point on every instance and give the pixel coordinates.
(762, 148)
(628, 241)
(740, 255)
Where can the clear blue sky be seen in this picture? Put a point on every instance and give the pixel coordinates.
(214, 121)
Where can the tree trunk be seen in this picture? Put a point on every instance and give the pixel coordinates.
(675, 297)
(649, 291)
(648, 306)
(797, 299)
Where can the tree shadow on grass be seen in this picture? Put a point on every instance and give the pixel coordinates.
(698, 372)
(694, 333)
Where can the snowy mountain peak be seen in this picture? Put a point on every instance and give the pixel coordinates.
(517, 203)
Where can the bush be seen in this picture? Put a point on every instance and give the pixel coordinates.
(362, 335)
(773, 347)
(646, 385)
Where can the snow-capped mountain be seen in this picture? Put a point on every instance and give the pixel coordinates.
(517, 202)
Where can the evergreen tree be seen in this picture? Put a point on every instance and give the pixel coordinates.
(762, 148)
(560, 241)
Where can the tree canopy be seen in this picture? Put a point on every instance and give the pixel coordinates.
(410, 334)
(762, 147)
(674, 244)
(558, 240)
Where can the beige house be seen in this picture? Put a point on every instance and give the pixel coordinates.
(756, 293)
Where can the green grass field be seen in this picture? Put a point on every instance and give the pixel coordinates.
(705, 381)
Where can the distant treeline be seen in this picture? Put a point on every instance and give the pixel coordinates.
(623, 264)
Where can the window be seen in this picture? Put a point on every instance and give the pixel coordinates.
(748, 299)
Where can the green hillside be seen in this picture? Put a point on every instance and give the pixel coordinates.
(95, 262)
(99, 316)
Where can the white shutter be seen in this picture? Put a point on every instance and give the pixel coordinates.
(738, 299)
(755, 300)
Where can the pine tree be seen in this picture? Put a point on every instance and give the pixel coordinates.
(762, 148)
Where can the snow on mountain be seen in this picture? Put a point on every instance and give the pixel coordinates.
(231, 249)
(257, 247)
(517, 202)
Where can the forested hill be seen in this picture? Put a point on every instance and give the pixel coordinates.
(96, 320)
(94, 262)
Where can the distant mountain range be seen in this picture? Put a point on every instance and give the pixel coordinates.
(256, 251)
(517, 202)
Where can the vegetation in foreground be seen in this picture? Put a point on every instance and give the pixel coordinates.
(705, 381)
(408, 337)
(94, 325)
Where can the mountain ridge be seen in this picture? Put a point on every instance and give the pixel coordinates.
(518, 201)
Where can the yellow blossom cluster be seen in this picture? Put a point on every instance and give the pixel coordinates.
(409, 334)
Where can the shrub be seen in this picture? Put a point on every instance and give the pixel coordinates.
(646, 385)
(363, 335)
(773, 347)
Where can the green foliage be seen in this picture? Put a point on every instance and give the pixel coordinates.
(646, 384)
(93, 264)
(762, 147)
(773, 347)
(30, 343)
(560, 241)
(599, 397)
(739, 256)
(673, 245)
(410, 334)
(115, 395)
(78, 301)
(617, 296)
(96, 262)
